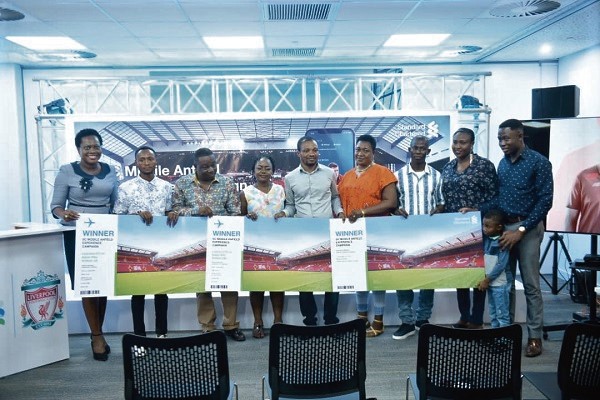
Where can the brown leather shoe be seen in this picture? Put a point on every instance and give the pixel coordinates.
(460, 324)
(534, 348)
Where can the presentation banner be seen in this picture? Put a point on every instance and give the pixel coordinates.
(158, 258)
(289, 254)
(425, 252)
(96, 238)
(348, 254)
(224, 253)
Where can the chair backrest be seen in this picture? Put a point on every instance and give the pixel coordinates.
(579, 362)
(469, 364)
(317, 361)
(191, 367)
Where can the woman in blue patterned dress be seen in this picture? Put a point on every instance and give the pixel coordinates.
(469, 183)
(263, 199)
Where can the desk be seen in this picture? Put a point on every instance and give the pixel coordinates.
(33, 324)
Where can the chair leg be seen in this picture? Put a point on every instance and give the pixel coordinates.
(263, 388)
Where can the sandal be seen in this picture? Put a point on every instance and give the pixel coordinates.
(258, 332)
(372, 331)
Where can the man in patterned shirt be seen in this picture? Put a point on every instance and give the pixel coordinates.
(147, 196)
(206, 193)
(419, 193)
(525, 195)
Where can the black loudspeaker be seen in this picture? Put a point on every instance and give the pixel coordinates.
(555, 102)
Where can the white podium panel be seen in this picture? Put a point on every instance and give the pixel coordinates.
(33, 324)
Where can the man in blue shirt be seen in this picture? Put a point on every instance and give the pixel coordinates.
(525, 195)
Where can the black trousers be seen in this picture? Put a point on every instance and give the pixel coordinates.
(161, 304)
(308, 308)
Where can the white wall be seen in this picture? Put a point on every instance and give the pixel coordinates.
(14, 196)
(583, 69)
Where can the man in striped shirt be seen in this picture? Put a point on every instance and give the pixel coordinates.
(419, 192)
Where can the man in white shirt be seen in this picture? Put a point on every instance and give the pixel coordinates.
(147, 196)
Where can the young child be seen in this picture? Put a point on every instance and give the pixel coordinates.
(498, 277)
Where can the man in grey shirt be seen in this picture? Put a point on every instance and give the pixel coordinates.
(311, 192)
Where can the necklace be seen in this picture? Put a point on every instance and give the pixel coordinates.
(364, 169)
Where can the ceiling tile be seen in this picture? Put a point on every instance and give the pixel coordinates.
(228, 28)
(357, 40)
(350, 51)
(146, 12)
(49, 11)
(295, 41)
(451, 9)
(28, 28)
(352, 34)
(159, 29)
(238, 53)
(296, 28)
(357, 28)
(222, 12)
(196, 54)
(432, 26)
(81, 28)
(374, 10)
(173, 43)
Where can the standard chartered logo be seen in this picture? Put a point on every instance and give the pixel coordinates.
(433, 130)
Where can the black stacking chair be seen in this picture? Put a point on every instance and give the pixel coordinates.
(578, 374)
(316, 362)
(467, 364)
(185, 368)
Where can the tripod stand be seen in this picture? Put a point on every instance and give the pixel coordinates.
(554, 241)
(590, 262)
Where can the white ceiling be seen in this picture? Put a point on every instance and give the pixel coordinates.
(168, 33)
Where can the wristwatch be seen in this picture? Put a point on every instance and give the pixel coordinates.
(522, 229)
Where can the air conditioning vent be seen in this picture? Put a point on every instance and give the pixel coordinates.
(528, 8)
(304, 52)
(6, 14)
(67, 55)
(298, 12)
(468, 49)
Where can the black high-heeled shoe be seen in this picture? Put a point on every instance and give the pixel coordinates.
(100, 356)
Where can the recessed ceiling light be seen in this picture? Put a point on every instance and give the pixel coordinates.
(545, 48)
(416, 40)
(234, 42)
(46, 42)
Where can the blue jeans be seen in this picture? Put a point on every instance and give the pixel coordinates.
(499, 303)
(308, 308)
(362, 301)
(475, 315)
(405, 309)
(527, 253)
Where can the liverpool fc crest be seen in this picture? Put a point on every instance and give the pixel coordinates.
(43, 306)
